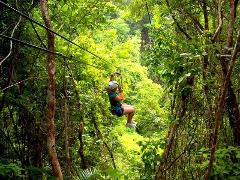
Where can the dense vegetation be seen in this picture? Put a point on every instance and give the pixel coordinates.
(179, 61)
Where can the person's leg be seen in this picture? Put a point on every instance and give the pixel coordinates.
(129, 110)
(126, 105)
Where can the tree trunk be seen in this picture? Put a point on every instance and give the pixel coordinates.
(161, 172)
(233, 114)
(205, 13)
(220, 106)
(51, 96)
(145, 39)
(66, 120)
(231, 102)
(81, 147)
(210, 118)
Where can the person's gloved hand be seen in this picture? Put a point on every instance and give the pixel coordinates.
(120, 89)
(116, 73)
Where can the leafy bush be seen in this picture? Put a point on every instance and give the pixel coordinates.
(11, 170)
(226, 165)
(151, 154)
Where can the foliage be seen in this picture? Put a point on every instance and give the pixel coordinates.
(185, 60)
(226, 165)
(151, 154)
(167, 80)
(11, 170)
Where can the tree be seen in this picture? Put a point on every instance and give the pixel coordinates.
(51, 144)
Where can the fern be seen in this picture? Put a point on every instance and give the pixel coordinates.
(84, 174)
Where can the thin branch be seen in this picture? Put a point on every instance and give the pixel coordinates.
(188, 147)
(6, 29)
(194, 19)
(19, 82)
(59, 17)
(176, 22)
(60, 28)
(11, 44)
(224, 55)
(220, 19)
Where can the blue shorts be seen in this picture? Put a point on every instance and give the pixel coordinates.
(118, 110)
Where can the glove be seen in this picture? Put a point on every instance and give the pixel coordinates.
(116, 73)
(120, 89)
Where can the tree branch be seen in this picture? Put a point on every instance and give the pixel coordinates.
(19, 82)
(220, 105)
(176, 22)
(188, 147)
(11, 44)
(220, 20)
(205, 13)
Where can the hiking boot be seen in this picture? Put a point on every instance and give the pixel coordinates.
(131, 125)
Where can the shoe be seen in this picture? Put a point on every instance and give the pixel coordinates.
(134, 122)
(131, 125)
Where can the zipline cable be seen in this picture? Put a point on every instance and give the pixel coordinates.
(43, 26)
(46, 50)
(38, 36)
(30, 45)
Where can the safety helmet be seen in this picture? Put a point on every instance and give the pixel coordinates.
(112, 85)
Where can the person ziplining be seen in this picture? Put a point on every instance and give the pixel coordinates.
(115, 98)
